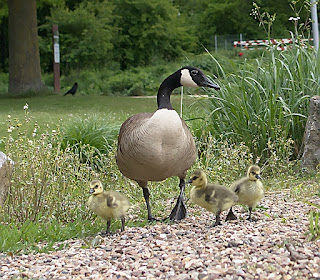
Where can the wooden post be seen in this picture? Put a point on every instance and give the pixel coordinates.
(56, 58)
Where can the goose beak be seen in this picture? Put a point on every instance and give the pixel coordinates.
(189, 182)
(208, 83)
(258, 176)
(91, 190)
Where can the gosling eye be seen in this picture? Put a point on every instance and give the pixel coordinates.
(96, 186)
(194, 178)
(194, 72)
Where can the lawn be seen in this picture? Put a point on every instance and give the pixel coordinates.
(49, 110)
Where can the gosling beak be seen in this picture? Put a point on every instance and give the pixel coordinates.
(189, 182)
(258, 176)
(91, 190)
(208, 83)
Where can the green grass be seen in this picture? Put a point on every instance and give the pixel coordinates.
(49, 185)
(52, 110)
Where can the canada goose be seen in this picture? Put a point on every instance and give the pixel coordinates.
(249, 189)
(156, 146)
(213, 197)
(73, 90)
(107, 204)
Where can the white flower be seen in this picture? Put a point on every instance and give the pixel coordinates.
(25, 107)
(294, 18)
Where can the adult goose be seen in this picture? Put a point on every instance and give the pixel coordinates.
(156, 146)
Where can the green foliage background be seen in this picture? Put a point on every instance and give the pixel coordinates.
(120, 34)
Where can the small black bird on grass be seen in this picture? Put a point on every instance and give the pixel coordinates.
(72, 90)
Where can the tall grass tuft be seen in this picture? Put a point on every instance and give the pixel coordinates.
(270, 95)
(90, 137)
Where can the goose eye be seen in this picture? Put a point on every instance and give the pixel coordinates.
(194, 72)
(194, 178)
(96, 186)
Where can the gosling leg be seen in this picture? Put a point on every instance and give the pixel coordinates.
(108, 227)
(231, 215)
(250, 211)
(217, 222)
(122, 223)
(179, 211)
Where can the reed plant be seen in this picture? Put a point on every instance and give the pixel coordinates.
(264, 97)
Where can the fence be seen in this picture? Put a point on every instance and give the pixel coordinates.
(281, 44)
(230, 42)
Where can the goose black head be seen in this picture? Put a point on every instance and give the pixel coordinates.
(194, 77)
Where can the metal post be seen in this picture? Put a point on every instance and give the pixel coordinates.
(315, 28)
(56, 58)
(215, 43)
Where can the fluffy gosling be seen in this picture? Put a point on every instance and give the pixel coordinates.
(213, 197)
(249, 189)
(107, 204)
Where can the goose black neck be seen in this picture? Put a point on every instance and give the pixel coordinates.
(165, 90)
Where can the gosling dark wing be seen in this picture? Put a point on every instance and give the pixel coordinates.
(210, 194)
(111, 202)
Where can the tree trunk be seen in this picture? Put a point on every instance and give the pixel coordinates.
(24, 58)
(311, 153)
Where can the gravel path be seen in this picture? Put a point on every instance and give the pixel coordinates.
(273, 247)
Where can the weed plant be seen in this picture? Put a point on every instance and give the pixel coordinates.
(314, 222)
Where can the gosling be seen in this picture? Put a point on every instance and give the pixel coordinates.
(249, 189)
(107, 204)
(213, 197)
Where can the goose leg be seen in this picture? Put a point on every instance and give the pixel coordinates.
(122, 223)
(231, 215)
(146, 198)
(146, 195)
(179, 211)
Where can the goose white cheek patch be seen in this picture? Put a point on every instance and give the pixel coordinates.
(186, 79)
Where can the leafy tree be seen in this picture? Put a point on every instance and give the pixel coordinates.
(85, 35)
(150, 31)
